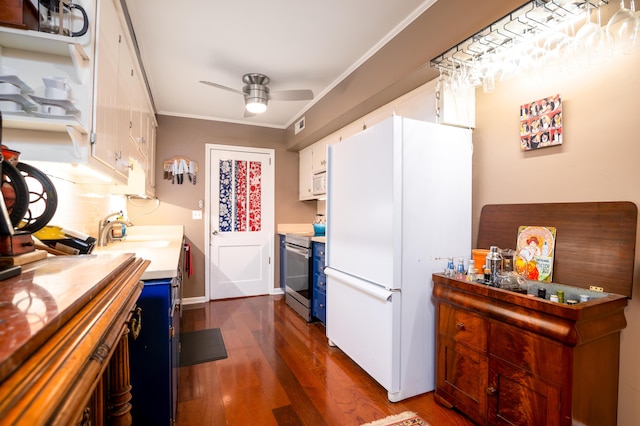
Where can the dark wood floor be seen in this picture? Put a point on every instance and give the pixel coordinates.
(281, 371)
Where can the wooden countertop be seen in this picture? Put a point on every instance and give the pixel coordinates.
(294, 228)
(568, 324)
(36, 303)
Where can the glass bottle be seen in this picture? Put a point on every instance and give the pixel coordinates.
(494, 262)
(460, 269)
(472, 272)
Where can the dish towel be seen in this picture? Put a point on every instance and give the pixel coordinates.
(188, 260)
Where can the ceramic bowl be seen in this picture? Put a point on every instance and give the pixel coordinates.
(56, 93)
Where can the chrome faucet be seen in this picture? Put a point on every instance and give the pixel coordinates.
(105, 227)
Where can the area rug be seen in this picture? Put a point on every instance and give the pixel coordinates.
(201, 346)
(408, 418)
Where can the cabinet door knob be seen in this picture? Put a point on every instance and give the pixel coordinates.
(491, 391)
(460, 326)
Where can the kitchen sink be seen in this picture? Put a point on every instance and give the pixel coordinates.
(133, 245)
(134, 238)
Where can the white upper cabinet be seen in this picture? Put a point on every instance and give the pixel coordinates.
(117, 93)
(108, 144)
(28, 56)
(312, 162)
(305, 175)
(112, 120)
(319, 157)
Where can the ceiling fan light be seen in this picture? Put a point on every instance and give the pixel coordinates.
(255, 98)
(256, 105)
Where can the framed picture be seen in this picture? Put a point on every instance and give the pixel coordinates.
(541, 123)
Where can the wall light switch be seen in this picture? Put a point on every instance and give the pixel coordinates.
(196, 214)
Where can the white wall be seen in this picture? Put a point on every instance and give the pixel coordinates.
(598, 161)
(80, 205)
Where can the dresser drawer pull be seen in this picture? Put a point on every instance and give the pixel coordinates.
(135, 323)
(491, 391)
(460, 326)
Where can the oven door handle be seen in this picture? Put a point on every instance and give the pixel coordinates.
(300, 251)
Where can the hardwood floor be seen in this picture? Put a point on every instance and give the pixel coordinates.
(281, 371)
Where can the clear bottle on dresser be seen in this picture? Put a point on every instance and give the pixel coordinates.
(460, 269)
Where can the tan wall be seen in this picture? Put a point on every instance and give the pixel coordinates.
(188, 137)
(598, 161)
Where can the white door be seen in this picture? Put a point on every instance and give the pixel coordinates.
(240, 229)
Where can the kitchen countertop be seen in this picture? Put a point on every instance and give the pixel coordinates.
(305, 229)
(161, 244)
(295, 228)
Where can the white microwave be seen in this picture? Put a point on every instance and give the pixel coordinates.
(319, 185)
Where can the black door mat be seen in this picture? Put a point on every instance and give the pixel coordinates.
(201, 346)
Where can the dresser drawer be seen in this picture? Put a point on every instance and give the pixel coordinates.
(526, 350)
(463, 326)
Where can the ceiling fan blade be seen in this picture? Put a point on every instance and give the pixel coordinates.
(291, 95)
(219, 86)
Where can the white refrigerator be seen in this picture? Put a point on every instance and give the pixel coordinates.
(399, 198)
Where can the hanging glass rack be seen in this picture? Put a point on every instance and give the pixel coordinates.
(534, 18)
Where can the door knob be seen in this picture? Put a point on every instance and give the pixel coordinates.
(215, 232)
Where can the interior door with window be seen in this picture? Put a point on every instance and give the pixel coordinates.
(240, 228)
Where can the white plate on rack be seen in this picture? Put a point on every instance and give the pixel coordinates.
(64, 103)
(15, 80)
(20, 113)
(26, 105)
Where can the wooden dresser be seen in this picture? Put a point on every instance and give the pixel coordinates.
(509, 358)
(64, 325)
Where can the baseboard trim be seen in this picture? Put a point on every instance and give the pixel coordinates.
(194, 300)
(202, 299)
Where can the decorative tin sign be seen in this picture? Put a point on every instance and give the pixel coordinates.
(535, 250)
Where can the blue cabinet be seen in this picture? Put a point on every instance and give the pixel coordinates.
(319, 304)
(154, 355)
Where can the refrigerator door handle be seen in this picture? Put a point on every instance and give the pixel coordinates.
(372, 289)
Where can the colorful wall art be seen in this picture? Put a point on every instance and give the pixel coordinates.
(541, 123)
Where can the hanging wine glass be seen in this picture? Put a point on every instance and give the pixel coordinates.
(555, 44)
(623, 28)
(592, 43)
(488, 72)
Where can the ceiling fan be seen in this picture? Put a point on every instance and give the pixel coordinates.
(256, 93)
